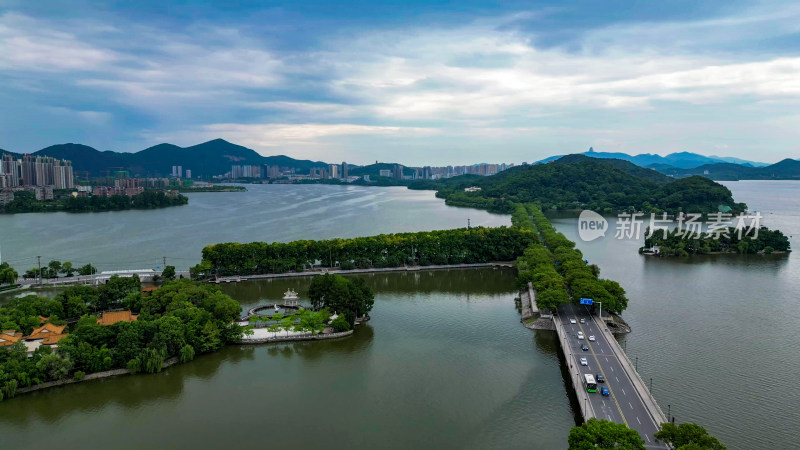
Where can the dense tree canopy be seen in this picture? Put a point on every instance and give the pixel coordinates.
(26, 202)
(557, 270)
(457, 246)
(580, 182)
(181, 319)
(351, 298)
(604, 434)
(679, 243)
(688, 436)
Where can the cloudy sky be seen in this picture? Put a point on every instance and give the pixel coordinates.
(412, 82)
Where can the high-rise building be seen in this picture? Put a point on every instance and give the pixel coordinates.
(333, 171)
(174, 171)
(188, 173)
(398, 172)
(180, 171)
(345, 170)
(426, 172)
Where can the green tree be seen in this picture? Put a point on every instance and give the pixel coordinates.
(55, 268)
(688, 436)
(168, 273)
(187, 353)
(87, 269)
(67, 269)
(604, 434)
(8, 275)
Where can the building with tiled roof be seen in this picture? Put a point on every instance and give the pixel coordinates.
(110, 318)
(9, 337)
(47, 334)
(45, 330)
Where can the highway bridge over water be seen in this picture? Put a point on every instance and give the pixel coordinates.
(629, 401)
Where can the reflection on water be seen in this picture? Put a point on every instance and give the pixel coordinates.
(444, 363)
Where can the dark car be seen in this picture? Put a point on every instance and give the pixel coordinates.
(585, 348)
(600, 378)
(604, 391)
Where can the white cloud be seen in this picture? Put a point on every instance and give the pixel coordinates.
(477, 80)
(25, 44)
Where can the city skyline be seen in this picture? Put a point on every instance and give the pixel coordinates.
(440, 84)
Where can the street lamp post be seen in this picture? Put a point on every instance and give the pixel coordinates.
(601, 310)
(637, 363)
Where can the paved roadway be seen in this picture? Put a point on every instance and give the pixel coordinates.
(624, 404)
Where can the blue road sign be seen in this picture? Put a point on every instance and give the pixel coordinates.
(587, 301)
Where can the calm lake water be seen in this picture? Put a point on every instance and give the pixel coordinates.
(269, 212)
(444, 363)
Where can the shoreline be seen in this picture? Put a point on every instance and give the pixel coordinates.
(239, 278)
(88, 377)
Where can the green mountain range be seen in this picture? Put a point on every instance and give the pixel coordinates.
(205, 160)
(681, 160)
(788, 169)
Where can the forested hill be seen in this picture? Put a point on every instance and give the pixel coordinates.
(788, 169)
(207, 159)
(581, 182)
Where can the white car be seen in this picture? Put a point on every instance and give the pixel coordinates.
(584, 362)
(572, 321)
(583, 320)
(580, 335)
(591, 338)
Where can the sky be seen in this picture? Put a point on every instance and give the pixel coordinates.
(420, 83)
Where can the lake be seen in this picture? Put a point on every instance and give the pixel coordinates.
(444, 363)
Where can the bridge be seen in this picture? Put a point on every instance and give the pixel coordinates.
(629, 401)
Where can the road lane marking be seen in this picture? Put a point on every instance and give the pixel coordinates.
(623, 392)
(637, 419)
(629, 404)
(617, 379)
(611, 391)
(612, 368)
(648, 437)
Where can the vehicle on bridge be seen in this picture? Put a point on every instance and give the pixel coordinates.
(599, 377)
(591, 338)
(584, 362)
(585, 347)
(604, 390)
(591, 384)
(580, 334)
(573, 321)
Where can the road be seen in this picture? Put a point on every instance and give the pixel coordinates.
(624, 405)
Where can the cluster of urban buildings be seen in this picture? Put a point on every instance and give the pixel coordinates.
(37, 174)
(399, 172)
(177, 172)
(262, 171)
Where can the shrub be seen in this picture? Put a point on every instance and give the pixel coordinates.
(340, 324)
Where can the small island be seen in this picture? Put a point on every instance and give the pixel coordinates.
(728, 240)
